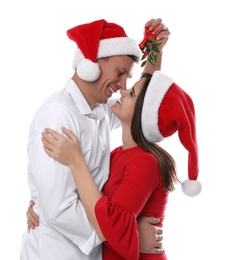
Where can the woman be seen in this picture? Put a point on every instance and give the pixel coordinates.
(141, 172)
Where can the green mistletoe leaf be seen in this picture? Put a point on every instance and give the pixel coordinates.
(149, 48)
(143, 63)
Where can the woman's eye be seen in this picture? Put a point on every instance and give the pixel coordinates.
(131, 93)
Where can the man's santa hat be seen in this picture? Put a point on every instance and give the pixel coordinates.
(97, 40)
(167, 109)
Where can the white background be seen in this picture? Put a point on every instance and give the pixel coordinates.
(35, 61)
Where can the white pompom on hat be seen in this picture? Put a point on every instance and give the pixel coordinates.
(167, 109)
(99, 39)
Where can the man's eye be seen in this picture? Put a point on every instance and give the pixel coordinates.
(131, 93)
(120, 73)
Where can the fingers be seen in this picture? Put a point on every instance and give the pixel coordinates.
(31, 203)
(51, 144)
(157, 251)
(49, 152)
(65, 130)
(48, 139)
(151, 220)
(52, 133)
(32, 218)
(48, 146)
(153, 23)
(159, 231)
(52, 141)
(53, 136)
(69, 133)
(156, 25)
(163, 33)
(158, 238)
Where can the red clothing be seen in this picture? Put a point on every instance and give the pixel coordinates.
(134, 189)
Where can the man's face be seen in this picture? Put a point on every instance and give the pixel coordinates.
(114, 73)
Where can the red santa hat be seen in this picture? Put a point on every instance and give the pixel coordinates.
(96, 40)
(167, 109)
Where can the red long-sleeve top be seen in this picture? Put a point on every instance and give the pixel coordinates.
(134, 189)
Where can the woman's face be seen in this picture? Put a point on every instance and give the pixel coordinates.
(124, 108)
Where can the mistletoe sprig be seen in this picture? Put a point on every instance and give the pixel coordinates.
(149, 46)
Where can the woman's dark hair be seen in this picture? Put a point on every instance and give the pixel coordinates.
(166, 162)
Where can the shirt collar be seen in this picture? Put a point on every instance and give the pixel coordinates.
(97, 112)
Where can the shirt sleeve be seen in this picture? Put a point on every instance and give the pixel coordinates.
(117, 217)
(52, 185)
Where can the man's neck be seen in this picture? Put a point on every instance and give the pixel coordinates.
(86, 89)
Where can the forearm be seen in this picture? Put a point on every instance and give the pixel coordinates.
(88, 192)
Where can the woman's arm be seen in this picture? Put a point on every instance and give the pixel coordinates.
(88, 191)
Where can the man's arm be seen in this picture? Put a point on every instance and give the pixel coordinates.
(62, 211)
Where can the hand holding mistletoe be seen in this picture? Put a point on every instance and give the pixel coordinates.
(155, 38)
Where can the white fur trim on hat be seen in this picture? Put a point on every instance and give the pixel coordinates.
(191, 187)
(107, 48)
(158, 86)
(78, 57)
(118, 46)
(88, 70)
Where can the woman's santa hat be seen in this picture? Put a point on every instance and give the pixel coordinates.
(97, 40)
(167, 109)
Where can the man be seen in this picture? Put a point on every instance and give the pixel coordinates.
(103, 61)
